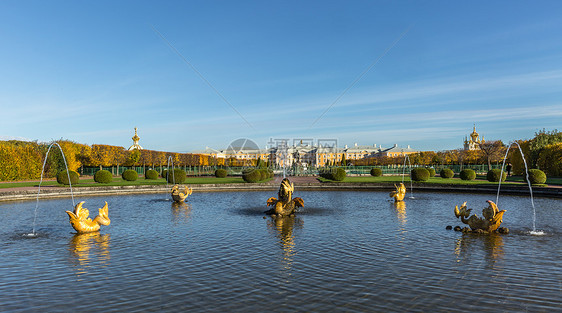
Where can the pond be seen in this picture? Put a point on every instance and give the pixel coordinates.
(344, 251)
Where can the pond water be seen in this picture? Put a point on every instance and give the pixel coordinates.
(345, 251)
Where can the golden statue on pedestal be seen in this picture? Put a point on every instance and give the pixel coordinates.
(491, 220)
(285, 205)
(399, 193)
(80, 221)
(180, 196)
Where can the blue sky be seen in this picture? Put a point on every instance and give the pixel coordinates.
(91, 71)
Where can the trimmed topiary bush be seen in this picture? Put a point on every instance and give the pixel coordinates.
(151, 174)
(164, 174)
(62, 177)
(376, 172)
(252, 176)
(270, 172)
(447, 173)
(431, 171)
(493, 175)
(419, 174)
(130, 175)
(337, 174)
(467, 174)
(221, 173)
(177, 176)
(536, 177)
(264, 174)
(103, 177)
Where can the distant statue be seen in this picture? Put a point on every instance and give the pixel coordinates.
(285, 205)
(180, 195)
(80, 221)
(399, 193)
(490, 221)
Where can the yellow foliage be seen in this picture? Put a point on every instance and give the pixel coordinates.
(515, 158)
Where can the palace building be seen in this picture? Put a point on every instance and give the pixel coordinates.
(308, 154)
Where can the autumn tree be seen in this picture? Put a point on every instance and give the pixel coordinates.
(493, 151)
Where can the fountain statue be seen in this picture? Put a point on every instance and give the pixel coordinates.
(399, 193)
(80, 221)
(180, 196)
(491, 220)
(285, 205)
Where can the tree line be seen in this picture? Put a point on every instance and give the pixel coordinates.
(543, 152)
(23, 160)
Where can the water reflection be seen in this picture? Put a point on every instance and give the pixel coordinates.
(400, 208)
(492, 245)
(180, 212)
(87, 247)
(284, 227)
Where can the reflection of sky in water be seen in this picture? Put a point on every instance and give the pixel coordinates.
(345, 250)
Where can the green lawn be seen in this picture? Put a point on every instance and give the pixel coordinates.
(480, 180)
(118, 181)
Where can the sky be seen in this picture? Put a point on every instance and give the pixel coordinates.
(197, 74)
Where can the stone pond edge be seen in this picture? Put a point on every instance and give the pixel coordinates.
(62, 192)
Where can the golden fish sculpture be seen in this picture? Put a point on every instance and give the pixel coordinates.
(285, 205)
(490, 221)
(399, 193)
(80, 221)
(180, 195)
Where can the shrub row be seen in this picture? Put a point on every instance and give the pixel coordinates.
(256, 175)
(62, 177)
(467, 174)
(377, 172)
(446, 173)
(151, 174)
(130, 175)
(103, 177)
(493, 175)
(221, 173)
(419, 174)
(337, 174)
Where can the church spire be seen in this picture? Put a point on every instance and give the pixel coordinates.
(136, 139)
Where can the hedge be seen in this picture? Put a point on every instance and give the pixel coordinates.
(251, 176)
(376, 172)
(178, 176)
(447, 173)
(130, 175)
(103, 177)
(151, 174)
(419, 174)
(221, 173)
(62, 177)
(337, 174)
(467, 174)
(493, 175)
(431, 171)
(536, 177)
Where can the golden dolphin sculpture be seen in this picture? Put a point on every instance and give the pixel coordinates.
(491, 220)
(80, 221)
(399, 193)
(285, 205)
(180, 195)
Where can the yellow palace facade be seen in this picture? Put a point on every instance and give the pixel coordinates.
(308, 155)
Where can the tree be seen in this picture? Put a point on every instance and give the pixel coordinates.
(493, 151)
(542, 139)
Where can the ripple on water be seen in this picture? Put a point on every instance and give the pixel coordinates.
(345, 251)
